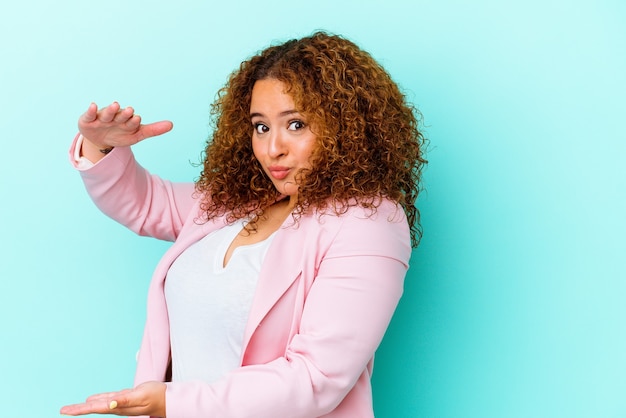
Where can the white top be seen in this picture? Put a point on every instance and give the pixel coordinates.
(208, 304)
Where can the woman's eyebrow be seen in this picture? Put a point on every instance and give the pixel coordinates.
(281, 114)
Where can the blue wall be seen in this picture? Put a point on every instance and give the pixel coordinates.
(514, 302)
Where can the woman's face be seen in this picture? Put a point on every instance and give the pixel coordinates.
(282, 140)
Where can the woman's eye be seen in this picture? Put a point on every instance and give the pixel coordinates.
(296, 125)
(260, 128)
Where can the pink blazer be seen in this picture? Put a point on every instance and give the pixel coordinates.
(326, 293)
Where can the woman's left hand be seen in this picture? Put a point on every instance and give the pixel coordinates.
(146, 399)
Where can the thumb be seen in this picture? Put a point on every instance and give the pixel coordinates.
(155, 129)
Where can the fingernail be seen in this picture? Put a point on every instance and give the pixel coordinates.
(113, 405)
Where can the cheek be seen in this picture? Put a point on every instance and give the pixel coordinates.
(256, 149)
(308, 149)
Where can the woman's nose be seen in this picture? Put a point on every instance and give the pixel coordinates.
(276, 146)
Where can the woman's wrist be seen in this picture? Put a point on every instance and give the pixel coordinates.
(93, 152)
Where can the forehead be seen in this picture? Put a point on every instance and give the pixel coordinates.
(270, 95)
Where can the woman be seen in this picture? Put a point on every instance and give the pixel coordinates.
(289, 252)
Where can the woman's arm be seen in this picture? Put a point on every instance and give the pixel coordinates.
(346, 313)
(117, 184)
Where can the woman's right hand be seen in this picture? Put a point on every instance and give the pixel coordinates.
(113, 126)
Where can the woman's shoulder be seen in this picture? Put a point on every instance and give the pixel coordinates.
(361, 229)
(380, 210)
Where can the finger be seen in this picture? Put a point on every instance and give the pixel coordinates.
(95, 407)
(132, 402)
(134, 122)
(124, 115)
(123, 403)
(90, 114)
(155, 129)
(107, 395)
(108, 113)
(100, 403)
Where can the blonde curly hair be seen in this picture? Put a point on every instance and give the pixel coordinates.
(368, 146)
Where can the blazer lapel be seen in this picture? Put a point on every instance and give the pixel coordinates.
(281, 267)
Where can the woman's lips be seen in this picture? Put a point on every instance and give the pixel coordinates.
(278, 172)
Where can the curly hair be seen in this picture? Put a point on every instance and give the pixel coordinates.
(369, 146)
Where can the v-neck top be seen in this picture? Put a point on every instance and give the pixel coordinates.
(208, 304)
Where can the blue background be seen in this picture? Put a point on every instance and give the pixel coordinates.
(514, 303)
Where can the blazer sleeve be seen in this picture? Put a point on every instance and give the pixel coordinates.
(347, 310)
(126, 192)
